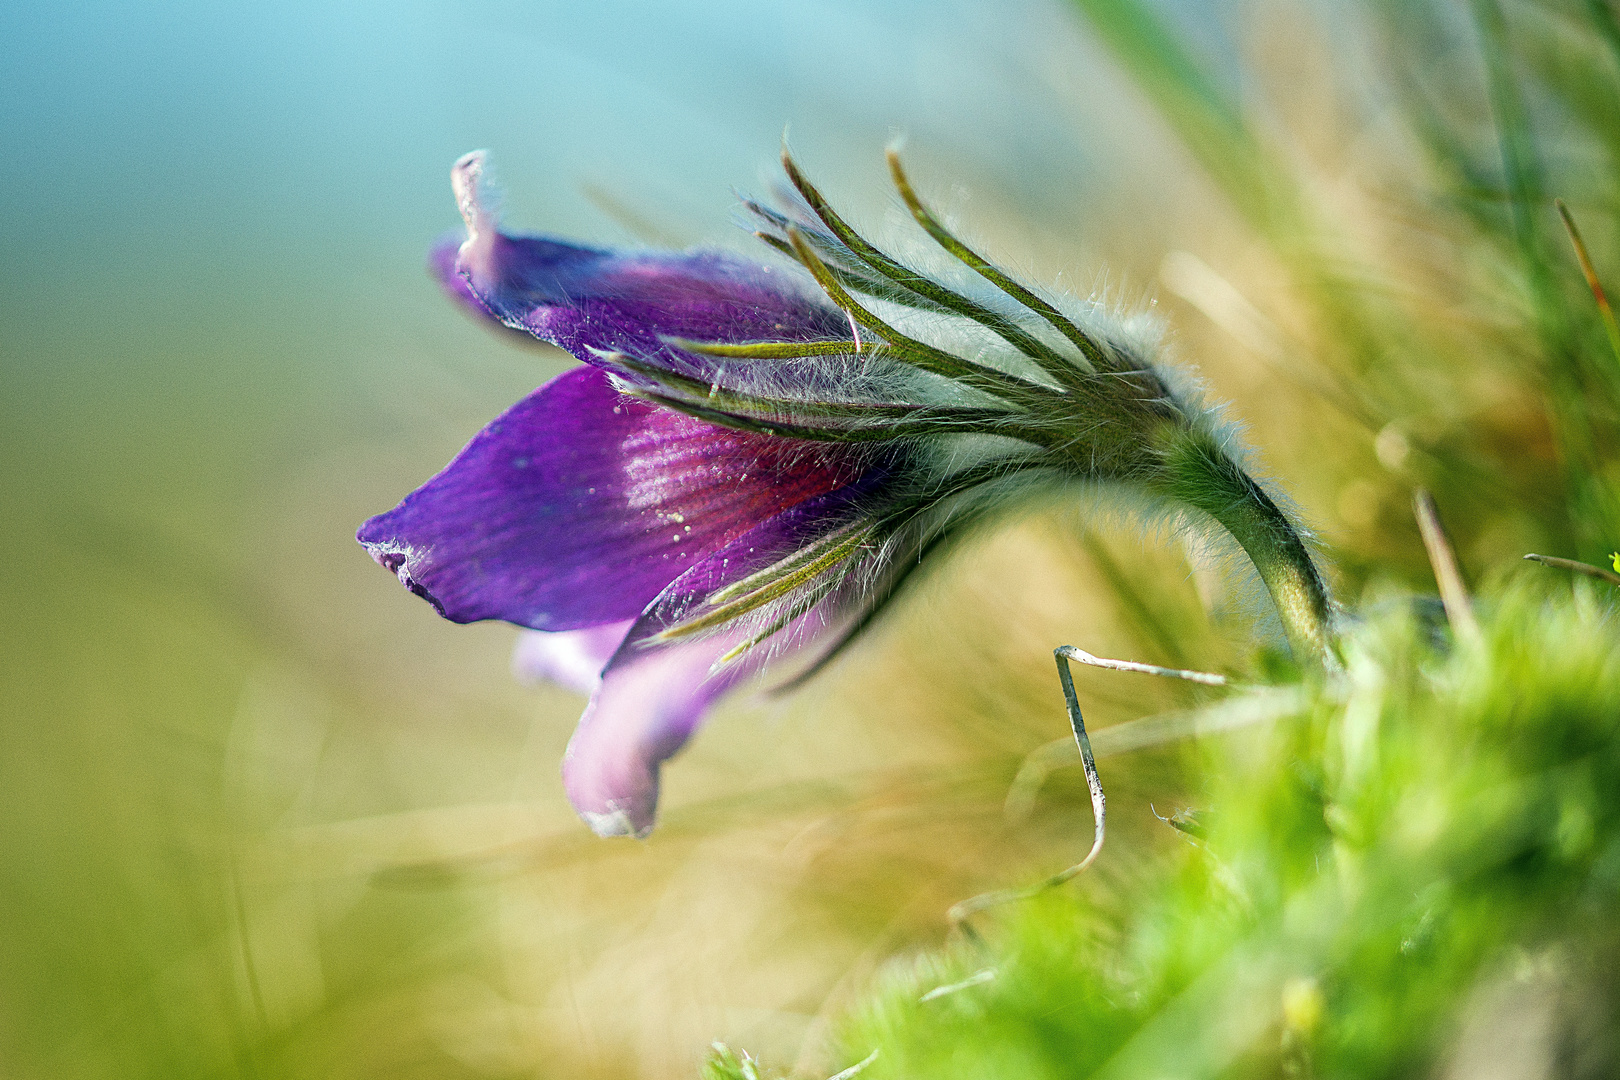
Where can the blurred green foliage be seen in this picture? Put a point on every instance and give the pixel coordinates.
(1420, 868)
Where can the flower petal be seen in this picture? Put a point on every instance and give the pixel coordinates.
(649, 704)
(585, 298)
(799, 531)
(654, 695)
(578, 505)
(644, 711)
(570, 658)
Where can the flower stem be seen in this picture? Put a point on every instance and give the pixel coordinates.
(1202, 476)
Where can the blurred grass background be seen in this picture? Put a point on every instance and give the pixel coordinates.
(263, 815)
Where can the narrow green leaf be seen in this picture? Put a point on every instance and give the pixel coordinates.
(919, 353)
(1592, 282)
(775, 350)
(906, 278)
(774, 589)
(1095, 355)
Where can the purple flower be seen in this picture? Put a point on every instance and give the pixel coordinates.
(752, 459)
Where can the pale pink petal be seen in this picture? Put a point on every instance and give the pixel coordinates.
(570, 658)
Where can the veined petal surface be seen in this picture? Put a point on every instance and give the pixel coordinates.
(578, 505)
(584, 298)
(655, 694)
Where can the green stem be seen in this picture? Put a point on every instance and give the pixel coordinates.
(1201, 476)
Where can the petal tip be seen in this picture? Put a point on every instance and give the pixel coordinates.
(615, 822)
(466, 180)
(612, 782)
(464, 177)
(403, 561)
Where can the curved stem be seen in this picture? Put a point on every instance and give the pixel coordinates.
(959, 913)
(1202, 476)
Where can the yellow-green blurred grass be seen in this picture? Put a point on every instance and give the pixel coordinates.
(801, 845)
(1375, 285)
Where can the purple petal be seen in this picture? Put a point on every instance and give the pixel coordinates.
(442, 265)
(646, 708)
(578, 505)
(650, 702)
(768, 543)
(570, 658)
(587, 298)
(654, 696)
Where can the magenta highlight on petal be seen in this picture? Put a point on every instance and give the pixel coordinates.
(753, 458)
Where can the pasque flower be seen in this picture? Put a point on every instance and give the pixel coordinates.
(755, 455)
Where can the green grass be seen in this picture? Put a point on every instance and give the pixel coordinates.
(1431, 847)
